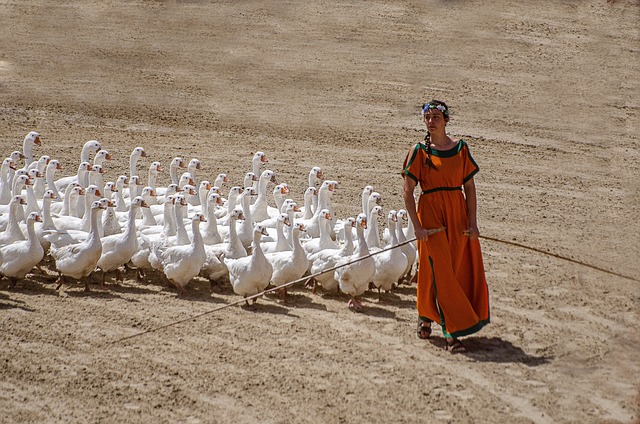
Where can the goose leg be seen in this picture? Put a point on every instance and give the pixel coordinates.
(60, 281)
(86, 284)
(354, 304)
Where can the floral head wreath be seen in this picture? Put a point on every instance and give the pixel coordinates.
(438, 106)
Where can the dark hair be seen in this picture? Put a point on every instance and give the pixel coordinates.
(442, 107)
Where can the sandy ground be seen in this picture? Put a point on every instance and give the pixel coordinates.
(546, 94)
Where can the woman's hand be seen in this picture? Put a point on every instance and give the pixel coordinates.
(472, 232)
(421, 233)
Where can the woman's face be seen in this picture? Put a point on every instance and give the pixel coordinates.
(434, 120)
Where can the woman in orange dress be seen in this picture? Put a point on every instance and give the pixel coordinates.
(452, 289)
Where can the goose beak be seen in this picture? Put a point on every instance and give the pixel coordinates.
(296, 208)
(144, 204)
(219, 201)
(38, 218)
(108, 156)
(81, 192)
(327, 215)
(287, 222)
(22, 201)
(98, 193)
(59, 166)
(394, 218)
(37, 141)
(159, 168)
(264, 159)
(273, 180)
(301, 227)
(110, 203)
(264, 232)
(320, 175)
(12, 166)
(153, 193)
(89, 167)
(143, 154)
(181, 164)
(284, 190)
(226, 179)
(202, 218)
(241, 216)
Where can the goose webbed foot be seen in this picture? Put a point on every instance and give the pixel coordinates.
(354, 304)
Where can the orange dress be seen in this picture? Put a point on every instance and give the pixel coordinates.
(452, 289)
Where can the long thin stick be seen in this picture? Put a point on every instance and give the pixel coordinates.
(555, 255)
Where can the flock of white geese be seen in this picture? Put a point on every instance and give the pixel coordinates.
(190, 228)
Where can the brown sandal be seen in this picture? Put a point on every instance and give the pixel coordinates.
(424, 329)
(455, 346)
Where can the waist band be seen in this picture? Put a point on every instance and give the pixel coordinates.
(431, 190)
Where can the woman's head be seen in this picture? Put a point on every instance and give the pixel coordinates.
(435, 115)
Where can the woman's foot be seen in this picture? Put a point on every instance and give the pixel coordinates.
(424, 329)
(455, 346)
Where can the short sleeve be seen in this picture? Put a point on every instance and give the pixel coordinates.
(412, 166)
(470, 167)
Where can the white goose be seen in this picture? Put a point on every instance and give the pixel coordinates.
(180, 264)
(211, 234)
(149, 236)
(69, 201)
(288, 266)
(12, 231)
(110, 223)
(193, 166)
(232, 201)
(39, 186)
(408, 249)
(259, 209)
(19, 183)
(354, 277)
(328, 258)
(101, 157)
(391, 264)
(280, 244)
(155, 169)
(315, 175)
(232, 247)
(149, 195)
(16, 156)
(30, 140)
(324, 241)
(214, 267)
(136, 155)
(32, 202)
(79, 260)
(258, 159)
(372, 233)
(118, 249)
(220, 180)
(52, 167)
(121, 204)
(5, 187)
(91, 194)
(245, 229)
(89, 147)
(18, 258)
(312, 225)
(47, 221)
(250, 275)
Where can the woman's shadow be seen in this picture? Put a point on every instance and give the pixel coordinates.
(495, 349)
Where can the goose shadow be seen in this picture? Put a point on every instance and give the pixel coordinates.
(13, 303)
(495, 349)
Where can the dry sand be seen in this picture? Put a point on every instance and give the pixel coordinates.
(545, 92)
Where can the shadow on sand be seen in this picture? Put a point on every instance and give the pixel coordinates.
(494, 349)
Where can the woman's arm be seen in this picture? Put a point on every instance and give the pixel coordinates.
(472, 208)
(410, 204)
